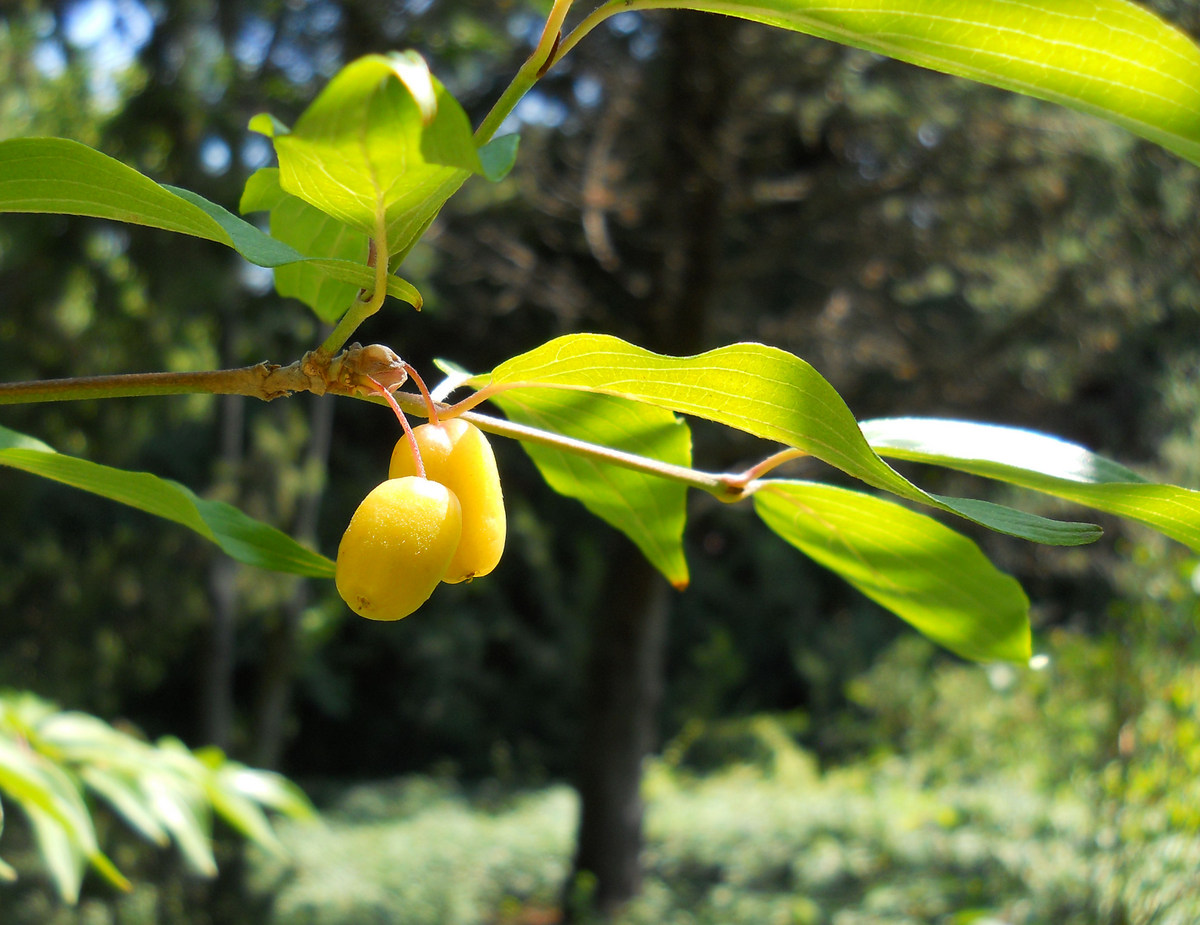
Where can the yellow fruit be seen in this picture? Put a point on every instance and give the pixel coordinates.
(458, 455)
(397, 547)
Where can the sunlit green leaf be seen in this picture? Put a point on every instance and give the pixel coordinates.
(109, 763)
(245, 816)
(368, 148)
(1042, 463)
(239, 535)
(266, 124)
(1109, 58)
(123, 793)
(62, 855)
(59, 175)
(52, 801)
(764, 391)
(32, 781)
(924, 572)
(62, 176)
(180, 807)
(311, 232)
(266, 788)
(651, 511)
(266, 251)
(164, 791)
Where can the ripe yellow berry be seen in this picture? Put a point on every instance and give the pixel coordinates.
(458, 455)
(397, 547)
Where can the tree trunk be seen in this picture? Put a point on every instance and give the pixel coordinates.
(624, 677)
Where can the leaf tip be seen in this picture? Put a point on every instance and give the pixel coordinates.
(412, 71)
(266, 124)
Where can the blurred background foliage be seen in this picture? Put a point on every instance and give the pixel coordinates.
(931, 246)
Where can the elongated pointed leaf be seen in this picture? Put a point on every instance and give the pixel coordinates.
(384, 142)
(1109, 58)
(61, 176)
(266, 788)
(1041, 463)
(245, 816)
(239, 535)
(651, 511)
(924, 572)
(181, 809)
(34, 782)
(64, 859)
(60, 819)
(109, 763)
(265, 251)
(312, 232)
(764, 391)
(124, 795)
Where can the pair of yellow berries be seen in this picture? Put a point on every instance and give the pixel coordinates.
(410, 533)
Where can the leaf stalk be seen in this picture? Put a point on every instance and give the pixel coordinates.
(544, 54)
(361, 310)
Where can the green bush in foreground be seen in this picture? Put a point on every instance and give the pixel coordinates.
(413, 852)
(996, 796)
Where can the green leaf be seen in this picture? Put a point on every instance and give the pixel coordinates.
(239, 535)
(164, 791)
(267, 788)
(498, 156)
(51, 799)
(59, 175)
(383, 141)
(35, 782)
(651, 511)
(265, 251)
(62, 176)
(107, 761)
(764, 391)
(1108, 58)
(259, 248)
(123, 792)
(61, 854)
(180, 807)
(266, 124)
(245, 816)
(1041, 463)
(925, 573)
(311, 232)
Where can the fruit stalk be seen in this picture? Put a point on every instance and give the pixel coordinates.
(408, 431)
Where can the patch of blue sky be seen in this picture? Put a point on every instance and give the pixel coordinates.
(256, 152)
(49, 58)
(525, 26)
(215, 155)
(252, 42)
(588, 90)
(535, 109)
(110, 33)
